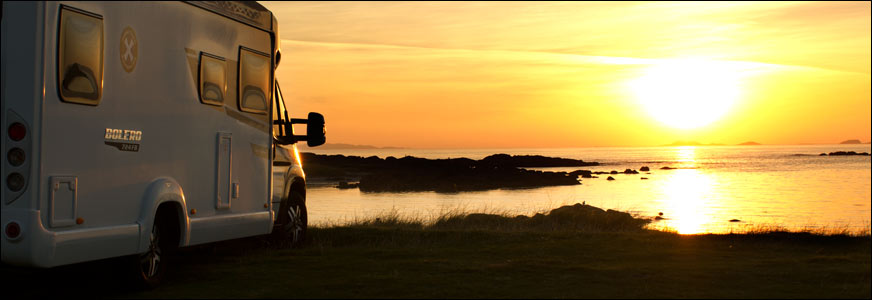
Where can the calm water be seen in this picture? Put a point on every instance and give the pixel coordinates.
(786, 186)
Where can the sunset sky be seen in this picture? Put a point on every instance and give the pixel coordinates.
(576, 74)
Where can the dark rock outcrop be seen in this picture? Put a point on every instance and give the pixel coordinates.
(846, 153)
(578, 217)
(644, 169)
(346, 185)
(533, 161)
(676, 168)
(582, 173)
(442, 175)
(449, 180)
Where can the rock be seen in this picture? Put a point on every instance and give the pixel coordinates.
(667, 168)
(644, 178)
(582, 173)
(345, 185)
(613, 172)
(644, 169)
(735, 220)
(823, 154)
(629, 171)
(521, 161)
(610, 178)
(845, 153)
(441, 175)
(851, 142)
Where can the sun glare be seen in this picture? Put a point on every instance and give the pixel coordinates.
(687, 192)
(687, 93)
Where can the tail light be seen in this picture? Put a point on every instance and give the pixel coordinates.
(16, 157)
(13, 230)
(15, 182)
(17, 131)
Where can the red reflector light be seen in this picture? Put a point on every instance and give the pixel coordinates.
(17, 131)
(13, 230)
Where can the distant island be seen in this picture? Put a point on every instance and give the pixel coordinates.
(850, 142)
(749, 144)
(330, 146)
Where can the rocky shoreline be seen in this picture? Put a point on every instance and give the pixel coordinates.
(413, 174)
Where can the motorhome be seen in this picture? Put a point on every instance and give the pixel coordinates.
(132, 128)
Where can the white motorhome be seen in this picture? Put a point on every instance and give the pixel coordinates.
(131, 128)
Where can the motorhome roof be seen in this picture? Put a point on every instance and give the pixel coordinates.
(248, 12)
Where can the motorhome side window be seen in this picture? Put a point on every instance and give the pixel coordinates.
(253, 81)
(213, 79)
(80, 57)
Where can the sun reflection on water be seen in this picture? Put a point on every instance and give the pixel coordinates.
(685, 194)
(686, 156)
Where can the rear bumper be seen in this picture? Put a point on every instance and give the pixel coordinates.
(40, 247)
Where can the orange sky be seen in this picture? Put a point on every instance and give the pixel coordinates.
(565, 74)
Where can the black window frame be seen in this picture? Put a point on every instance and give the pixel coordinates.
(72, 96)
(240, 93)
(200, 79)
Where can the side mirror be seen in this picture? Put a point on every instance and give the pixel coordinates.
(315, 131)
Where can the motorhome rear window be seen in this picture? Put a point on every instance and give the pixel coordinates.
(80, 57)
(213, 79)
(253, 81)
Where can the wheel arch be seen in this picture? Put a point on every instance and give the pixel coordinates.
(297, 184)
(164, 198)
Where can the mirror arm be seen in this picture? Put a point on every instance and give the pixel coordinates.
(315, 136)
(286, 140)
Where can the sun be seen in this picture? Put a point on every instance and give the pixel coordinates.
(687, 93)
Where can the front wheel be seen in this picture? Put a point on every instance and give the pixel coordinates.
(292, 221)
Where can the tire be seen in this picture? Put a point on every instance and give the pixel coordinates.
(149, 267)
(292, 222)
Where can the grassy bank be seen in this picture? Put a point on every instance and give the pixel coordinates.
(581, 252)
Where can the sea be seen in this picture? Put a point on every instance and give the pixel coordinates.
(711, 189)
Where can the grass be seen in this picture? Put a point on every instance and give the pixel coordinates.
(579, 252)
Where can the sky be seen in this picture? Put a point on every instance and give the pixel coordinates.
(578, 74)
